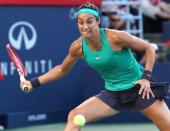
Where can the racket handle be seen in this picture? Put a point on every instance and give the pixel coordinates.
(26, 89)
(22, 78)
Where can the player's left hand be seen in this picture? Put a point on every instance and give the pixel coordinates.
(145, 89)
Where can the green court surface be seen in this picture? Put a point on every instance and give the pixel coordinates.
(92, 127)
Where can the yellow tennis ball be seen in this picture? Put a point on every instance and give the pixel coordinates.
(79, 120)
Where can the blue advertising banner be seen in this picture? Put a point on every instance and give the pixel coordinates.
(41, 37)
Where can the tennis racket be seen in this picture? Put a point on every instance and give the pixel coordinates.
(18, 64)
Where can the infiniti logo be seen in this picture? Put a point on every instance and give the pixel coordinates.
(72, 14)
(22, 32)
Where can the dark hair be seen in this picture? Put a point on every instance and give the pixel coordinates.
(90, 6)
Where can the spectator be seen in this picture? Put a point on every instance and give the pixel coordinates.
(155, 12)
(156, 8)
(115, 22)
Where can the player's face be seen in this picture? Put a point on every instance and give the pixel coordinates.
(87, 24)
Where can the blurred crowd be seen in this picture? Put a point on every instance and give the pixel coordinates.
(154, 13)
(115, 15)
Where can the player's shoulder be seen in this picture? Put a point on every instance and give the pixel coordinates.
(116, 35)
(112, 32)
(76, 46)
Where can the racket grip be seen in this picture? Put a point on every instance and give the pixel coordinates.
(22, 78)
(26, 89)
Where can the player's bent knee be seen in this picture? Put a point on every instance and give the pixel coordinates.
(71, 115)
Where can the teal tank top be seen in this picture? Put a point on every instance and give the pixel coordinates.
(118, 69)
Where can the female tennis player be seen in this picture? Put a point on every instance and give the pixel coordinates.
(128, 85)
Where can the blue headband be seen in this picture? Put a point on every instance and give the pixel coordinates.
(89, 11)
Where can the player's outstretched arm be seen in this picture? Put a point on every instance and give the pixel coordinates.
(55, 73)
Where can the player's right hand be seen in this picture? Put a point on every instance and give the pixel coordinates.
(27, 84)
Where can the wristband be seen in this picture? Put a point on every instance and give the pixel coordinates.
(147, 75)
(35, 82)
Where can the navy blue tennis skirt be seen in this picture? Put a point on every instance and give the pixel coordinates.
(131, 100)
